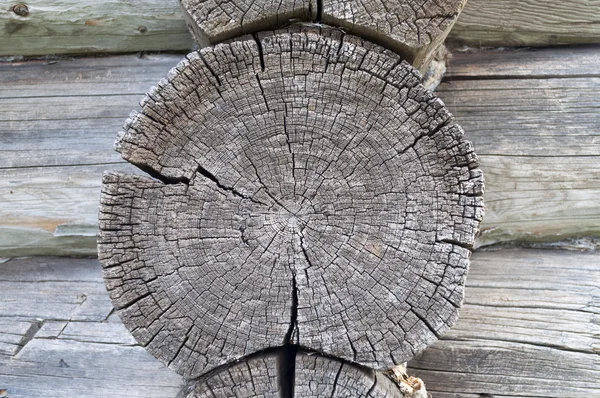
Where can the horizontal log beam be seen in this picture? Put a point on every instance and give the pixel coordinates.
(527, 23)
(41, 27)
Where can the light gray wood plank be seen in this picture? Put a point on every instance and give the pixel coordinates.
(527, 23)
(71, 369)
(85, 76)
(89, 26)
(531, 63)
(51, 210)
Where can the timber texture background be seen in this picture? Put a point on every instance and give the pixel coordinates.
(530, 326)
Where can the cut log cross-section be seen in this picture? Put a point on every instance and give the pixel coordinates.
(307, 191)
(414, 28)
(313, 376)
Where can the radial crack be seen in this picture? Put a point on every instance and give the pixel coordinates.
(214, 179)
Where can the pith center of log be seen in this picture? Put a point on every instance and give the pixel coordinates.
(309, 191)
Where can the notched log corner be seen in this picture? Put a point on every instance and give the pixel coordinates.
(414, 29)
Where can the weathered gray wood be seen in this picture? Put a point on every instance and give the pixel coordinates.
(51, 210)
(258, 376)
(529, 328)
(542, 168)
(310, 164)
(535, 63)
(302, 375)
(62, 343)
(76, 27)
(89, 26)
(72, 369)
(546, 151)
(415, 28)
(73, 294)
(527, 23)
(57, 124)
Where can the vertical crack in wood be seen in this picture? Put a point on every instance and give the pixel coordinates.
(261, 55)
(337, 378)
(289, 336)
(286, 363)
(303, 247)
(319, 10)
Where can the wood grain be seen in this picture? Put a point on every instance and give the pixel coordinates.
(530, 327)
(535, 127)
(310, 163)
(527, 23)
(535, 154)
(90, 26)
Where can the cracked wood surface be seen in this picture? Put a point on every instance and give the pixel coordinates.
(294, 374)
(311, 192)
(529, 327)
(58, 122)
(414, 28)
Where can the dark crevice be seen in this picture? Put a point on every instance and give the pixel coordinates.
(262, 91)
(426, 323)
(185, 340)
(319, 10)
(164, 179)
(211, 177)
(337, 378)
(29, 334)
(210, 69)
(286, 363)
(133, 302)
(457, 243)
(289, 336)
(261, 54)
(305, 252)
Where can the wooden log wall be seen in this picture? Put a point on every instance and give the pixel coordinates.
(58, 121)
(110, 26)
(529, 327)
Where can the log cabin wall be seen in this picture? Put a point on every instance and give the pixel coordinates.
(529, 326)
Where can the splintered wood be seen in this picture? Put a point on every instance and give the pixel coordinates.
(414, 28)
(307, 191)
